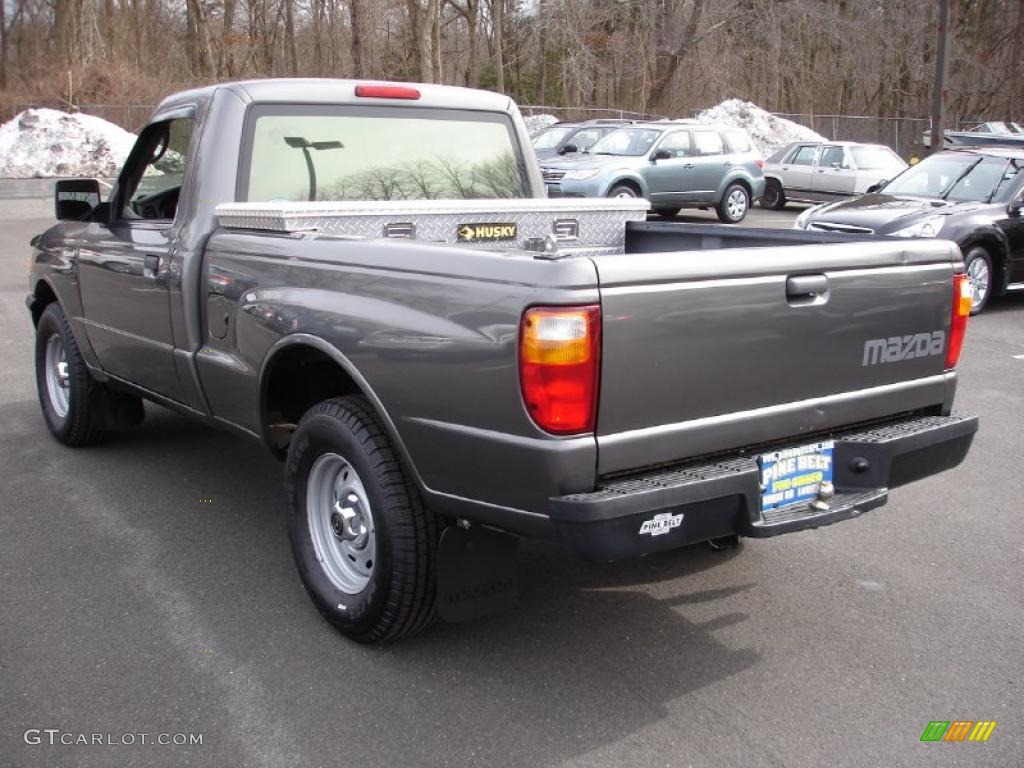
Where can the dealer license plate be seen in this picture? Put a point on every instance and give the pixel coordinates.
(794, 475)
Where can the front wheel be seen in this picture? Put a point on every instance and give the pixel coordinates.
(734, 204)
(67, 392)
(622, 190)
(364, 542)
(979, 273)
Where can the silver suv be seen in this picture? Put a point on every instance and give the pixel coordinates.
(673, 164)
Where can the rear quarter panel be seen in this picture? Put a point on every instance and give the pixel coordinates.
(433, 333)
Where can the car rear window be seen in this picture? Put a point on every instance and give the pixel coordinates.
(738, 141)
(295, 153)
(708, 143)
(876, 159)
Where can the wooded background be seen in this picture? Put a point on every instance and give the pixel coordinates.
(863, 57)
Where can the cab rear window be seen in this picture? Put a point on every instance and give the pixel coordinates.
(293, 154)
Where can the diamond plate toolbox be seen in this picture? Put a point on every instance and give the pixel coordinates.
(578, 226)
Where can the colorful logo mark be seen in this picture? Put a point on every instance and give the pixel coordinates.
(958, 730)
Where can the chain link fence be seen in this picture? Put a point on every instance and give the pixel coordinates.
(903, 134)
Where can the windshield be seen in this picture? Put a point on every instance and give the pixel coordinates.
(951, 177)
(551, 137)
(876, 159)
(380, 153)
(631, 142)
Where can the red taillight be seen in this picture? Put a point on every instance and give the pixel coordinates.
(759, 163)
(387, 92)
(962, 302)
(559, 365)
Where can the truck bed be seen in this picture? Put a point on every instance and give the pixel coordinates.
(713, 338)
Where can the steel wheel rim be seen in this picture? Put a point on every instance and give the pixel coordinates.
(341, 523)
(58, 379)
(978, 275)
(625, 193)
(736, 205)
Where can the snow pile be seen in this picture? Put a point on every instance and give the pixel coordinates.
(47, 142)
(537, 123)
(767, 131)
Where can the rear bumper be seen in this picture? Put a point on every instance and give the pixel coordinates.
(687, 504)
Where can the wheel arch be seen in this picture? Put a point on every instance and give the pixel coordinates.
(325, 373)
(738, 178)
(635, 182)
(42, 296)
(997, 251)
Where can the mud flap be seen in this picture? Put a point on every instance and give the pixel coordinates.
(477, 573)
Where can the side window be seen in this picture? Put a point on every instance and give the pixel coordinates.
(708, 143)
(586, 138)
(678, 143)
(833, 157)
(738, 141)
(151, 180)
(805, 155)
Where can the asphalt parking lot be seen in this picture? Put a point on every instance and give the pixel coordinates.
(148, 587)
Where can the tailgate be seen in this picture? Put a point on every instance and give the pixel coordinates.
(705, 351)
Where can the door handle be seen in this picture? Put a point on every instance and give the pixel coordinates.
(807, 288)
(687, 165)
(150, 265)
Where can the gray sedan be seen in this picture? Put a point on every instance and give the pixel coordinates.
(673, 164)
(823, 172)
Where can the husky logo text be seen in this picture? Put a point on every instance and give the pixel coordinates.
(896, 348)
(662, 523)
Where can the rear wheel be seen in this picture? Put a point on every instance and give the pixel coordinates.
(734, 204)
(364, 542)
(666, 213)
(67, 392)
(979, 273)
(774, 198)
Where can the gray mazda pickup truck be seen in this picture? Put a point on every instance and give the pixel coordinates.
(369, 279)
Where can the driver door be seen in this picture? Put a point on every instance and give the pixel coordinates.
(124, 263)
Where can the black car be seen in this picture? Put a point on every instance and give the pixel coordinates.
(973, 196)
(569, 138)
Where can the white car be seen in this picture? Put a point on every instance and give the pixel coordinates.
(823, 172)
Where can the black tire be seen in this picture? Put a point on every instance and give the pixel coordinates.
(666, 213)
(623, 190)
(978, 264)
(399, 596)
(774, 198)
(80, 425)
(724, 209)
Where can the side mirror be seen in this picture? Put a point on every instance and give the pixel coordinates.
(1014, 209)
(568, 149)
(877, 186)
(836, 166)
(74, 199)
(661, 154)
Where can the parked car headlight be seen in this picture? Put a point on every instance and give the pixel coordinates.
(803, 218)
(926, 228)
(580, 175)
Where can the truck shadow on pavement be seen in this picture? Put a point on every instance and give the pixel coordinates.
(593, 654)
